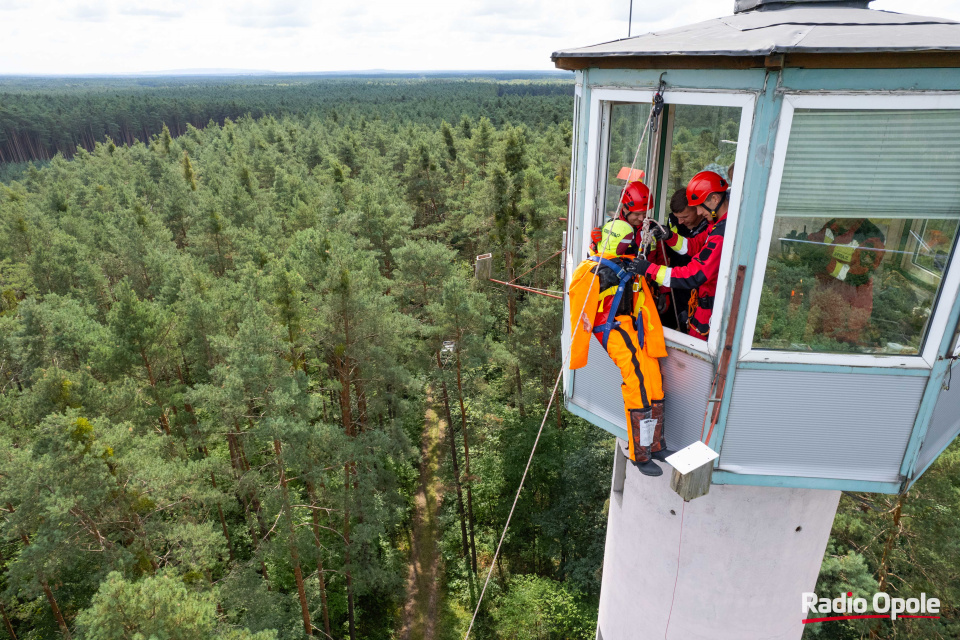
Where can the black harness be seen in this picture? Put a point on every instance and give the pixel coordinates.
(624, 278)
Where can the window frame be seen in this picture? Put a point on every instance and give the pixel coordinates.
(573, 200)
(570, 232)
(601, 100)
(914, 245)
(951, 279)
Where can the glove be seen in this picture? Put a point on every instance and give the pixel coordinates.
(661, 233)
(638, 266)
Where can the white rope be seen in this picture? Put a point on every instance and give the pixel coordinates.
(545, 290)
(626, 181)
(515, 499)
(553, 395)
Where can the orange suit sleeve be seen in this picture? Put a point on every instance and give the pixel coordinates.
(584, 295)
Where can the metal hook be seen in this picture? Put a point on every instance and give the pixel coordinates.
(658, 103)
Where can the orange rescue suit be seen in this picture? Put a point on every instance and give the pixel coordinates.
(636, 358)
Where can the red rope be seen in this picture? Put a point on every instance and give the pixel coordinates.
(516, 286)
(535, 266)
(677, 577)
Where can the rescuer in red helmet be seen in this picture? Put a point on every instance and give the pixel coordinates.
(708, 192)
(634, 204)
(688, 222)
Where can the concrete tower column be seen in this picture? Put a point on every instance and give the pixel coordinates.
(747, 555)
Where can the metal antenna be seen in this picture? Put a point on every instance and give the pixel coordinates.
(630, 19)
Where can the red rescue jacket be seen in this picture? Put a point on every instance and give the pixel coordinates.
(699, 275)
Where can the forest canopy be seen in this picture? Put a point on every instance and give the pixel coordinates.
(41, 117)
(222, 365)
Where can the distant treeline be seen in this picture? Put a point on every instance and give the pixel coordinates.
(42, 117)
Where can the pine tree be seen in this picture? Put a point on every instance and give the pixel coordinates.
(482, 145)
(188, 174)
(461, 316)
(448, 140)
(165, 139)
(140, 330)
(155, 607)
(466, 127)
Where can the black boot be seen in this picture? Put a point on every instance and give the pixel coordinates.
(662, 455)
(648, 468)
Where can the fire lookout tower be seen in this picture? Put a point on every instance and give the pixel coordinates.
(838, 128)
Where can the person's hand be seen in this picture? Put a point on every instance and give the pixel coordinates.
(638, 266)
(661, 232)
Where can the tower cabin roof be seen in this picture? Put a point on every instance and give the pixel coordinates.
(811, 33)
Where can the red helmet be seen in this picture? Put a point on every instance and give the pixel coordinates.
(636, 197)
(702, 185)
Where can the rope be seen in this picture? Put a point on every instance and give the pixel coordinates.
(553, 395)
(537, 291)
(676, 578)
(515, 499)
(860, 248)
(535, 266)
(646, 127)
(545, 290)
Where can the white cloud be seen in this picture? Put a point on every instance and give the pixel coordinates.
(89, 12)
(127, 36)
(267, 14)
(152, 12)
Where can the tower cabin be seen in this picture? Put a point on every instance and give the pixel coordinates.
(829, 363)
(838, 128)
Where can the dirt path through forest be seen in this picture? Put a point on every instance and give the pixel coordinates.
(420, 611)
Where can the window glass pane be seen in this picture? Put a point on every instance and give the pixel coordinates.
(572, 186)
(866, 222)
(704, 139)
(627, 122)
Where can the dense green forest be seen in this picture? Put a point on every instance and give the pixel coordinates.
(222, 352)
(42, 117)
(226, 406)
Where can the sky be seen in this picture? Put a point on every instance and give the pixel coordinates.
(131, 36)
